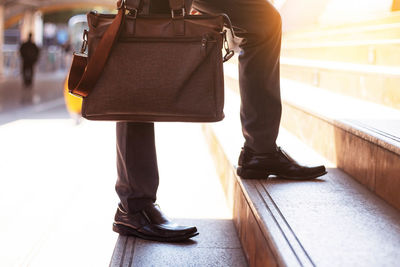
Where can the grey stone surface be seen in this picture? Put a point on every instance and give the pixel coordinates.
(217, 245)
(214, 233)
(375, 123)
(119, 251)
(157, 254)
(188, 195)
(123, 252)
(335, 219)
(339, 221)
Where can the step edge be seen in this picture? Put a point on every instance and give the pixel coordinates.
(365, 133)
(351, 29)
(268, 235)
(294, 246)
(339, 66)
(287, 44)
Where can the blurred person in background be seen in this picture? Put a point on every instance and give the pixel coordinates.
(29, 52)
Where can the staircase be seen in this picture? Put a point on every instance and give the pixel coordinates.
(341, 107)
(359, 60)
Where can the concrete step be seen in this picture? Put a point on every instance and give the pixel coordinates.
(378, 84)
(384, 52)
(383, 27)
(361, 138)
(331, 221)
(359, 59)
(373, 42)
(217, 245)
(191, 194)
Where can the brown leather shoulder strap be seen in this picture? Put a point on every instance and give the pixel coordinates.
(81, 80)
(98, 60)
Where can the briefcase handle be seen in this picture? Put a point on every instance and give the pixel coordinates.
(83, 78)
(135, 6)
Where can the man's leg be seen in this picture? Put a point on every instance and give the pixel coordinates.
(137, 185)
(260, 26)
(137, 165)
(27, 76)
(137, 182)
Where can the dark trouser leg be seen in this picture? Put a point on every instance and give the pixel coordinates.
(27, 74)
(136, 155)
(260, 26)
(137, 165)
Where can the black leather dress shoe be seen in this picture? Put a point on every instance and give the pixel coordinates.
(279, 163)
(151, 224)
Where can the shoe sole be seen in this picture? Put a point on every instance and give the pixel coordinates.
(125, 230)
(262, 174)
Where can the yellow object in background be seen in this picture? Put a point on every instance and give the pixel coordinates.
(73, 103)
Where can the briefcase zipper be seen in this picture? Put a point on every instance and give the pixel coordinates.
(203, 40)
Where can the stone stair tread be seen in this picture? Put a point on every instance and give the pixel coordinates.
(341, 66)
(331, 221)
(334, 105)
(363, 29)
(233, 141)
(374, 122)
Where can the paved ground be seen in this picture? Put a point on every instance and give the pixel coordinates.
(46, 87)
(57, 197)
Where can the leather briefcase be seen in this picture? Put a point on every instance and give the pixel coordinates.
(149, 68)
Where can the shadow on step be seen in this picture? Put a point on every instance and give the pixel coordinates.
(216, 245)
(277, 180)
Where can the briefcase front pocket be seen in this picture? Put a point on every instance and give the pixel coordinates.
(160, 79)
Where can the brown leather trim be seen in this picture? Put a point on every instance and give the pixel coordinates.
(79, 63)
(179, 26)
(97, 62)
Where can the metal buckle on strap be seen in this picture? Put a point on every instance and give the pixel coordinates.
(85, 41)
(228, 52)
(121, 4)
(133, 13)
(182, 14)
